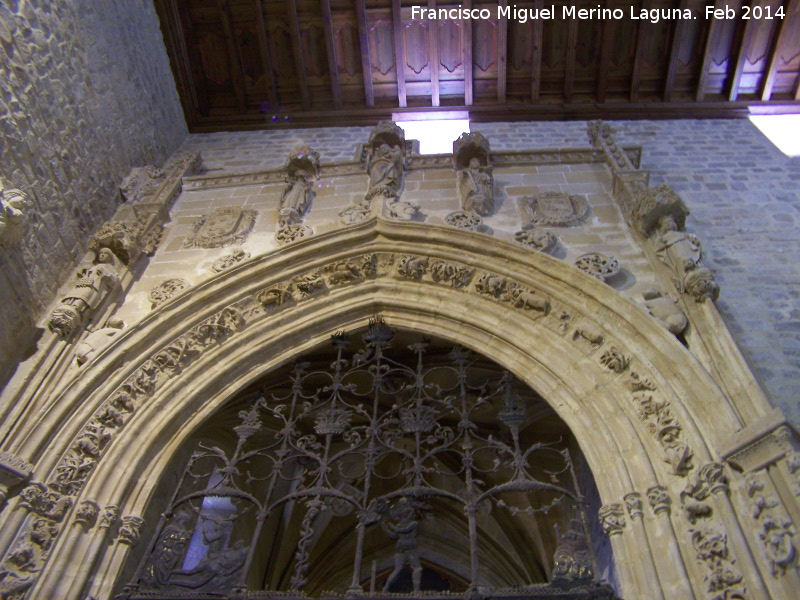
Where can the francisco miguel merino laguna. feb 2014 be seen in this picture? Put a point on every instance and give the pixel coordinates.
(523, 15)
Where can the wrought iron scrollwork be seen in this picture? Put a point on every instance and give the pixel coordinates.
(386, 441)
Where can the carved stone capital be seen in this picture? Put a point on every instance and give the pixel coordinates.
(129, 530)
(612, 518)
(86, 514)
(633, 504)
(108, 517)
(659, 500)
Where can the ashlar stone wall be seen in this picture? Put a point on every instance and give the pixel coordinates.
(87, 95)
(743, 193)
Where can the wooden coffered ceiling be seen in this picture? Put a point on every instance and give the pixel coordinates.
(253, 64)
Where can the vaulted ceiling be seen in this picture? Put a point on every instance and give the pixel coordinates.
(252, 64)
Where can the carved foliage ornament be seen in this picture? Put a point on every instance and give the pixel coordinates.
(167, 290)
(464, 220)
(234, 257)
(598, 265)
(776, 529)
(555, 209)
(288, 233)
(536, 238)
(223, 227)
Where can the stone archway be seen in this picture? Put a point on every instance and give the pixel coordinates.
(645, 413)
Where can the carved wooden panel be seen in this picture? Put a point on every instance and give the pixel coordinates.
(249, 53)
(484, 40)
(450, 44)
(588, 46)
(520, 45)
(381, 46)
(347, 49)
(216, 67)
(416, 46)
(314, 51)
(280, 47)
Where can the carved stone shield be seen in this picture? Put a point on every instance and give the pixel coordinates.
(555, 209)
(223, 227)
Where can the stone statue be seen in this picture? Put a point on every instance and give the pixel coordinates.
(682, 253)
(169, 550)
(93, 343)
(665, 310)
(385, 168)
(475, 181)
(217, 570)
(12, 216)
(404, 530)
(302, 168)
(94, 282)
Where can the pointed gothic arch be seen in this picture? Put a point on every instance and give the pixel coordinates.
(644, 411)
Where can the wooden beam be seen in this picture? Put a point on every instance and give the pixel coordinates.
(366, 56)
(749, 28)
(677, 39)
(502, 46)
(297, 50)
(536, 58)
(569, 72)
(466, 55)
(711, 41)
(330, 46)
(433, 58)
(605, 55)
(266, 56)
(237, 70)
(772, 70)
(639, 59)
(399, 53)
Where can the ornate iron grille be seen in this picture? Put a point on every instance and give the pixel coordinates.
(389, 444)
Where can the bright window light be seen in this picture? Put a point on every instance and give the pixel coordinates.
(435, 137)
(781, 130)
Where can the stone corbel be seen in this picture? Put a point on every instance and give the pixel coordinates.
(14, 471)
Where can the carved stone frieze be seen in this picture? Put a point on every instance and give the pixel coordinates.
(659, 499)
(274, 297)
(223, 227)
(166, 290)
(709, 480)
(92, 283)
(776, 530)
(40, 499)
(587, 333)
(291, 232)
(598, 265)
(14, 471)
(129, 530)
(457, 276)
(612, 518)
(412, 267)
(463, 219)
(536, 238)
(13, 207)
(86, 514)
(614, 360)
(722, 577)
(234, 257)
(555, 209)
(633, 504)
(656, 415)
(475, 180)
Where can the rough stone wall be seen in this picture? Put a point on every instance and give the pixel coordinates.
(87, 94)
(744, 195)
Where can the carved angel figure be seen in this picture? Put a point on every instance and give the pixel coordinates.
(12, 216)
(94, 282)
(476, 186)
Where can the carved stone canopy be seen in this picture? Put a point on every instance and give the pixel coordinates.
(469, 146)
(654, 203)
(387, 132)
(302, 158)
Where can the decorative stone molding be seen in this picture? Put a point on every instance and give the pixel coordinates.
(14, 471)
(614, 360)
(86, 514)
(555, 209)
(93, 282)
(13, 207)
(166, 290)
(776, 529)
(129, 530)
(536, 238)
(711, 549)
(464, 220)
(475, 180)
(659, 500)
(223, 227)
(234, 257)
(598, 265)
(612, 518)
(633, 504)
(288, 233)
(709, 480)
(44, 501)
